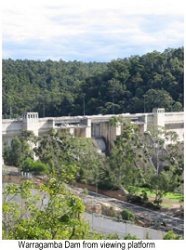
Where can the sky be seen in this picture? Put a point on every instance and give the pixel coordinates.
(90, 30)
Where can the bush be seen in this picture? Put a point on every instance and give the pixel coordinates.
(142, 201)
(126, 214)
(135, 199)
(170, 235)
(36, 167)
(151, 205)
(112, 212)
(7, 156)
(130, 237)
(144, 196)
(17, 152)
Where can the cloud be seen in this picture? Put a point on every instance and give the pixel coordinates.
(86, 30)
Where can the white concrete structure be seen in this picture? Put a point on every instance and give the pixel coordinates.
(96, 126)
(30, 122)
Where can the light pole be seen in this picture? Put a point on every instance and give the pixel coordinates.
(144, 108)
(84, 105)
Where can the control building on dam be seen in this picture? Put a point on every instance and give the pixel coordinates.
(94, 126)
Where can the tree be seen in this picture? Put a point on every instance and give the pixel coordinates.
(20, 149)
(167, 159)
(157, 98)
(56, 88)
(57, 149)
(51, 212)
(90, 161)
(70, 157)
(150, 159)
(45, 212)
(127, 163)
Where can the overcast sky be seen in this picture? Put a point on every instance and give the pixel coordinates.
(90, 30)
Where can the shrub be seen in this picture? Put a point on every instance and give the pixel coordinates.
(142, 201)
(135, 199)
(34, 166)
(144, 196)
(170, 235)
(130, 237)
(112, 212)
(126, 214)
(17, 152)
(7, 156)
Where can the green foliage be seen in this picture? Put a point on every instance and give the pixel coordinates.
(174, 196)
(50, 212)
(58, 150)
(144, 196)
(134, 84)
(170, 235)
(36, 167)
(91, 163)
(71, 157)
(45, 212)
(130, 237)
(127, 215)
(146, 192)
(127, 161)
(20, 149)
(157, 98)
(138, 159)
(142, 201)
(168, 164)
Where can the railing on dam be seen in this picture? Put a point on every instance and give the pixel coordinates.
(174, 117)
(43, 124)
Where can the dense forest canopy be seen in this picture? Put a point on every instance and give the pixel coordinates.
(57, 88)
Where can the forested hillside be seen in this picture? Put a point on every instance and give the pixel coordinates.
(134, 84)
